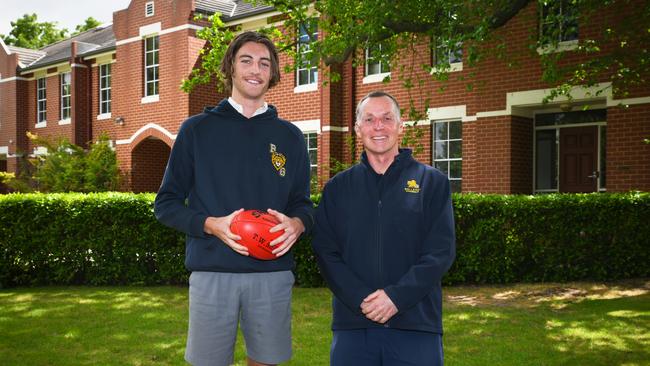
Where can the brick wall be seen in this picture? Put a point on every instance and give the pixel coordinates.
(628, 157)
(148, 165)
(497, 150)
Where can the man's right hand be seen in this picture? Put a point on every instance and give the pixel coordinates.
(220, 227)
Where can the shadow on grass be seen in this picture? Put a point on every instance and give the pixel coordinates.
(90, 326)
(569, 327)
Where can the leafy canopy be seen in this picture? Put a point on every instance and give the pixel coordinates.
(28, 32)
(618, 53)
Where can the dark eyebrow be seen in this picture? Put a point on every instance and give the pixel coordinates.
(249, 56)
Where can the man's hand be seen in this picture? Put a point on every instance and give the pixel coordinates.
(378, 307)
(292, 227)
(220, 227)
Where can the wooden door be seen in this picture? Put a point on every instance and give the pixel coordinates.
(579, 159)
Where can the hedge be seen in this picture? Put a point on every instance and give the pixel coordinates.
(114, 239)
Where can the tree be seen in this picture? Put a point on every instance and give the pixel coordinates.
(88, 24)
(27, 32)
(473, 26)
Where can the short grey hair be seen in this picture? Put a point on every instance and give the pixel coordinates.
(377, 94)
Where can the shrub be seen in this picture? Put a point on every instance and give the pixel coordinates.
(114, 238)
(68, 168)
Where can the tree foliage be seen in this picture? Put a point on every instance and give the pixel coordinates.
(618, 54)
(68, 168)
(28, 32)
(88, 24)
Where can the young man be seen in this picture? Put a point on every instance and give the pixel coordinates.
(384, 237)
(237, 156)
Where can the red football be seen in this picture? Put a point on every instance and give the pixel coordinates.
(253, 227)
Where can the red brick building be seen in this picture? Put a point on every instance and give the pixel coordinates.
(124, 80)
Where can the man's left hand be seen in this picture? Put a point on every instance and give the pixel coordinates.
(292, 227)
(378, 307)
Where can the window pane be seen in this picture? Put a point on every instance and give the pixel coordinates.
(303, 77)
(313, 75)
(603, 155)
(443, 166)
(441, 131)
(441, 150)
(385, 67)
(455, 149)
(455, 169)
(456, 185)
(155, 58)
(313, 158)
(546, 160)
(373, 68)
(455, 130)
(313, 140)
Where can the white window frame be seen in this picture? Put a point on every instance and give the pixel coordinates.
(448, 159)
(105, 73)
(65, 109)
(41, 97)
(454, 65)
(303, 48)
(306, 135)
(375, 77)
(155, 51)
(562, 44)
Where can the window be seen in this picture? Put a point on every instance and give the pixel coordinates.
(311, 140)
(448, 151)
(148, 9)
(65, 81)
(151, 66)
(41, 100)
(558, 22)
(105, 89)
(443, 55)
(307, 69)
(374, 64)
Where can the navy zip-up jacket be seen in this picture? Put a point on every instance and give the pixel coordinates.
(220, 162)
(393, 232)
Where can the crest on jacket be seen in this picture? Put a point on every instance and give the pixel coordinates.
(412, 186)
(278, 160)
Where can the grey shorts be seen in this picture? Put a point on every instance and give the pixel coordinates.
(219, 301)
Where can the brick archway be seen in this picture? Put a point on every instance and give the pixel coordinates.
(148, 161)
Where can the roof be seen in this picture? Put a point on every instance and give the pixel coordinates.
(232, 9)
(102, 39)
(91, 41)
(25, 55)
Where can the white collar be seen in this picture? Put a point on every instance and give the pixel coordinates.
(239, 108)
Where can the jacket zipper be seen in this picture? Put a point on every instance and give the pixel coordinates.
(379, 251)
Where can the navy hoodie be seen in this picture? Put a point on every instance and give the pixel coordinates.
(393, 232)
(222, 161)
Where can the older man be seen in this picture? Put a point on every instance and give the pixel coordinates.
(384, 237)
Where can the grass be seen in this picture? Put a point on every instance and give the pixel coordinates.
(525, 324)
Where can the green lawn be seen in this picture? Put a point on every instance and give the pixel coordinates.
(549, 324)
